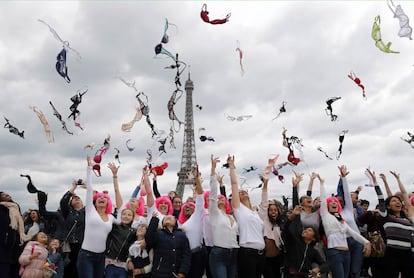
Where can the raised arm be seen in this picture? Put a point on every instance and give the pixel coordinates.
(64, 202)
(313, 176)
(387, 187)
(295, 183)
(212, 208)
(381, 201)
(147, 185)
(406, 199)
(343, 172)
(222, 186)
(197, 176)
(324, 207)
(118, 197)
(235, 198)
(155, 185)
(89, 189)
(137, 188)
(265, 195)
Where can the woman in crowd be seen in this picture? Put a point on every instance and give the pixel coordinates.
(140, 258)
(302, 259)
(32, 223)
(98, 224)
(11, 236)
(34, 257)
(251, 258)
(224, 230)
(207, 233)
(119, 239)
(348, 207)
(73, 212)
(190, 221)
(137, 203)
(162, 205)
(274, 218)
(308, 215)
(172, 253)
(398, 229)
(337, 231)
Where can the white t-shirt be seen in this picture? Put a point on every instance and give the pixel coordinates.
(96, 230)
(193, 227)
(224, 232)
(251, 227)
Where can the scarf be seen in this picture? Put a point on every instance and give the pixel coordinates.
(136, 251)
(16, 219)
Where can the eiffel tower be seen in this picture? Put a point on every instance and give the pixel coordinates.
(188, 158)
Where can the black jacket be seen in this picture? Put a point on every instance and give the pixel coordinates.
(300, 256)
(172, 253)
(119, 240)
(9, 238)
(73, 219)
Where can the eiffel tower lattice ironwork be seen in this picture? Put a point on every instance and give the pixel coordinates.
(188, 159)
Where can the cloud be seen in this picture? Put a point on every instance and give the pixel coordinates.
(302, 58)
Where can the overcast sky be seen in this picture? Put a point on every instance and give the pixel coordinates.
(299, 52)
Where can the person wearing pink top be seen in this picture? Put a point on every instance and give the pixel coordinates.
(33, 257)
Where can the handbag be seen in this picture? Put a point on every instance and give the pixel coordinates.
(65, 244)
(66, 247)
(377, 244)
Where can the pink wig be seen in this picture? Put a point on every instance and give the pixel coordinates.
(207, 194)
(334, 199)
(109, 202)
(164, 199)
(140, 209)
(181, 216)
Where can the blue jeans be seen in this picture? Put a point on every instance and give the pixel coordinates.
(339, 262)
(90, 264)
(223, 262)
(113, 271)
(357, 257)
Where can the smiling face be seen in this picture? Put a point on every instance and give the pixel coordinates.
(176, 203)
(163, 207)
(101, 201)
(333, 207)
(306, 201)
(127, 216)
(395, 204)
(141, 230)
(42, 238)
(272, 212)
(188, 210)
(34, 216)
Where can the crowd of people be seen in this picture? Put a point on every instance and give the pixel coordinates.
(212, 233)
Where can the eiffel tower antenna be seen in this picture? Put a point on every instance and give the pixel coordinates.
(188, 158)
